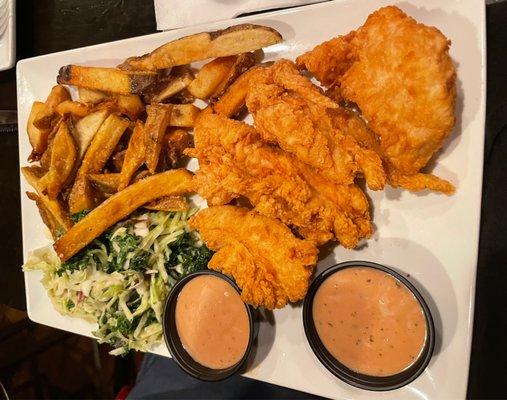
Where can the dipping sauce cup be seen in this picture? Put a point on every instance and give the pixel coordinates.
(208, 329)
(368, 325)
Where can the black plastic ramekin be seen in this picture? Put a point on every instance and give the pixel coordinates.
(173, 342)
(367, 382)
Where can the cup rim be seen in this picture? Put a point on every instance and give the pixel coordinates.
(362, 381)
(173, 342)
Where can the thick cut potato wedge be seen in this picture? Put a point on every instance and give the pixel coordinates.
(45, 118)
(72, 107)
(158, 119)
(176, 141)
(183, 97)
(141, 175)
(86, 128)
(63, 160)
(32, 175)
(130, 105)
(117, 160)
(184, 115)
(119, 206)
(102, 146)
(58, 223)
(91, 96)
(168, 203)
(52, 211)
(201, 46)
(107, 79)
(134, 156)
(172, 87)
(45, 160)
(38, 137)
(106, 183)
(210, 76)
(231, 102)
(242, 63)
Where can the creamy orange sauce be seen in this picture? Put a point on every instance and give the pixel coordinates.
(212, 322)
(369, 321)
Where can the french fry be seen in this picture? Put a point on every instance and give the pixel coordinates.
(63, 160)
(175, 143)
(173, 87)
(242, 63)
(117, 160)
(86, 128)
(119, 206)
(82, 196)
(106, 183)
(141, 175)
(57, 215)
(106, 79)
(46, 116)
(168, 203)
(231, 102)
(184, 115)
(158, 119)
(32, 175)
(210, 76)
(134, 156)
(45, 160)
(130, 105)
(183, 97)
(101, 147)
(91, 96)
(72, 107)
(38, 137)
(201, 46)
(57, 224)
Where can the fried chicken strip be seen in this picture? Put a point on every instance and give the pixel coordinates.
(292, 112)
(401, 76)
(269, 264)
(234, 161)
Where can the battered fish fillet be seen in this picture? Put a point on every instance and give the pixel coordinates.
(269, 264)
(402, 78)
(292, 112)
(234, 162)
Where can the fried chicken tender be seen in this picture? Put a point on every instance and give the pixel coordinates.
(269, 264)
(291, 111)
(401, 76)
(234, 162)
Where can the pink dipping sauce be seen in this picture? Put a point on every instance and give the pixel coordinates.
(212, 322)
(369, 321)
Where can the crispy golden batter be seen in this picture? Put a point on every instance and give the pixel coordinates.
(269, 264)
(289, 110)
(234, 162)
(402, 78)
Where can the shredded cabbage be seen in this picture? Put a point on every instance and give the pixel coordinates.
(122, 279)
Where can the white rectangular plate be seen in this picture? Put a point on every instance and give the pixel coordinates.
(432, 237)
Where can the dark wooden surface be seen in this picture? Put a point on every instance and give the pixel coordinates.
(45, 26)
